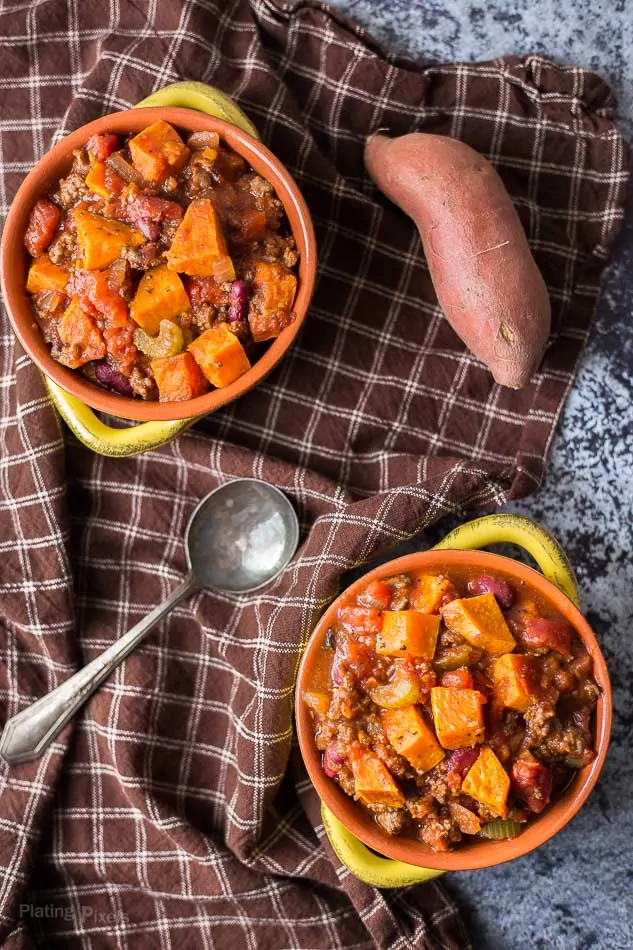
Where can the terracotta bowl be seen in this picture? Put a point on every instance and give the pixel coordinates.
(477, 853)
(55, 165)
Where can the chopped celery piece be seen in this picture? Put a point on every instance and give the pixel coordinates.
(499, 829)
(169, 341)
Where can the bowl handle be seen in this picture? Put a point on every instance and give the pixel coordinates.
(80, 419)
(517, 529)
(553, 562)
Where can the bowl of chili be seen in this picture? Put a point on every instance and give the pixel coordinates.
(157, 263)
(453, 707)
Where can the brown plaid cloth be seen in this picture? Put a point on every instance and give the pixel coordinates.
(175, 813)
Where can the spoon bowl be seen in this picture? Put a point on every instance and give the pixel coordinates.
(239, 538)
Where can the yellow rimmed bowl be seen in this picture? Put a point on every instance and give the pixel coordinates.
(190, 106)
(385, 861)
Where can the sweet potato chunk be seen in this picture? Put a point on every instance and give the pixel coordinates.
(408, 632)
(318, 702)
(274, 289)
(479, 621)
(160, 296)
(199, 246)
(458, 716)
(101, 240)
(430, 592)
(515, 680)
(157, 151)
(81, 339)
(178, 378)
(373, 782)
(488, 782)
(411, 737)
(220, 355)
(44, 275)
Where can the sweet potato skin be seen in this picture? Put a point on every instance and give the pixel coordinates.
(485, 277)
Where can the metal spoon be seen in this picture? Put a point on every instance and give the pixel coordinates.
(238, 539)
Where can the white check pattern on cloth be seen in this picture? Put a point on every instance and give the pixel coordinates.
(176, 811)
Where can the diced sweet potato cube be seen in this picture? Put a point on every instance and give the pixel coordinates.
(220, 355)
(373, 782)
(160, 296)
(157, 151)
(178, 378)
(100, 240)
(411, 737)
(318, 702)
(458, 716)
(44, 275)
(488, 782)
(430, 591)
(515, 680)
(81, 339)
(479, 621)
(408, 632)
(199, 246)
(274, 289)
(95, 180)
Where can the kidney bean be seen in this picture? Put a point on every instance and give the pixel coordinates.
(333, 758)
(113, 380)
(462, 759)
(486, 584)
(238, 301)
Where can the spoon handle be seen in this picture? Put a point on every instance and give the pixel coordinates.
(30, 732)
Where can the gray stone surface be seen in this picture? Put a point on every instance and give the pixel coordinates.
(576, 891)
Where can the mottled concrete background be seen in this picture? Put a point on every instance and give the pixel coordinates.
(575, 892)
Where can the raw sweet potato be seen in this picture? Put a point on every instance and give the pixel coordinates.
(160, 296)
(178, 378)
(199, 246)
(44, 275)
(407, 632)
(485, 277)
(220, 355)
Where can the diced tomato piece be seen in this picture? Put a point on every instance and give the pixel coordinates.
(365, 620)
(351, 655)
(458, 679)
(102, 145)
(42, 224)
(531, 782)
(376, 594)
(203, 290)
(113, 182)
(551, 634)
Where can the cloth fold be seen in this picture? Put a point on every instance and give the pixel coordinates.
(175, 811)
